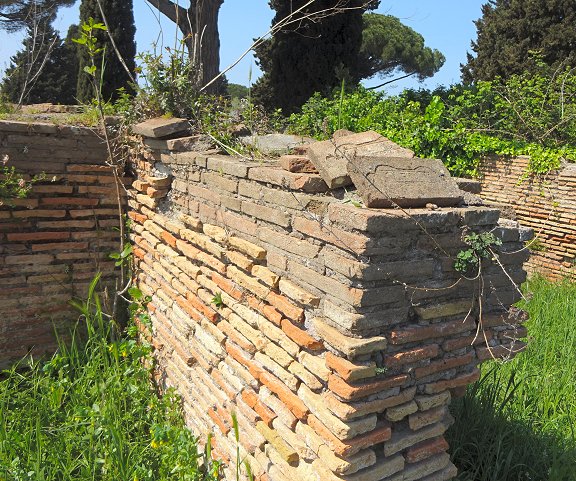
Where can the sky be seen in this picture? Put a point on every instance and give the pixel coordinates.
(446, 25)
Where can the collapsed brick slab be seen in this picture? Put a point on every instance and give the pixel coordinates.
(384, 181)
(336, 334)
(331, 157)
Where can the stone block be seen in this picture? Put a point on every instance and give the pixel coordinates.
(331, 157)
(385, 182)
(349, 346)
(160, 127)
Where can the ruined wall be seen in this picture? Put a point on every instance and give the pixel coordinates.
(337, 334)
(53, 242)
(547, 204)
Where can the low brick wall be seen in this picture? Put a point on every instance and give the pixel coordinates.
(336, 334)
(548, 205)
(53, 242)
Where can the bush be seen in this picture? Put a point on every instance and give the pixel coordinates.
(531, 114)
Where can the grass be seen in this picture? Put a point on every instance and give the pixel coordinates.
(92, 413)
(518, 422)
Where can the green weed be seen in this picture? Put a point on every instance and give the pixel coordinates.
(518, 422)
(91, 413)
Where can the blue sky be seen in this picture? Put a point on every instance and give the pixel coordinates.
(445, 24)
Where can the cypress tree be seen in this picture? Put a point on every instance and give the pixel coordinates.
(311, 54)
(120, 17)
(510, 31)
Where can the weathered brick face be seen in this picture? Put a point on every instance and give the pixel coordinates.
(545, 204)
(53, 242)
(337, 335)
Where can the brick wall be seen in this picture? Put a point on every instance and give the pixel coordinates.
(548, 205)
(337, 334)
(53, 242)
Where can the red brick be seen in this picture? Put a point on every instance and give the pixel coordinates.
(244, 359)
(169, 239)
(300, 337)
(218, 421)
(433, 331)
(60, 246)
(291, 400)
(136, 217)
(197, 304)
(285, 306)
(352, 392)
(460, 381)
(426, 449)
(226, 285)
(186, 306)
(413, 355)
(39, 213)
(265, 413)
(249, 397)
(69, 201)
(34, 236)
(443, 365)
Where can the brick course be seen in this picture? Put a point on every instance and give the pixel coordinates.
(336, 334)
(547, 205)
(49, 246)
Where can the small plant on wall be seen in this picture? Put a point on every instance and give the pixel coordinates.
(12, 184)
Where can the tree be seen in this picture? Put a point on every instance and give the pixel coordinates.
(19, 14)
(388, 46)
(119, 18)
(43, 71)
(313, 53)
(199, 26)
(509, 31)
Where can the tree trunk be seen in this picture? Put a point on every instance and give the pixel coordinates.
(209, 41)
(199, 25)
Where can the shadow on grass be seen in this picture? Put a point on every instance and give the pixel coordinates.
(489, 442)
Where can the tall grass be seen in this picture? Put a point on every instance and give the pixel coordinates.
(92, 413)
(518, 422)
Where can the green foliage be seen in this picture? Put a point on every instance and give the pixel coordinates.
(480, 246)
(218, 301)
(120, 18)
(509, 30)
(517, 422)
(388, 45)
(168, 88)
(122, 258)
(531, 114)
(237, 91)
(90, 412)
(43, 71)
(310, 54)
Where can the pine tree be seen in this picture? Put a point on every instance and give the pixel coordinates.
(310, 54)
(120, 18)
(43, 71)
(20, 14)
(511, 31)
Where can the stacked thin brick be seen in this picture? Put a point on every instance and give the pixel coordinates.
(53, 242)
(547, 204)
(336, 334)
